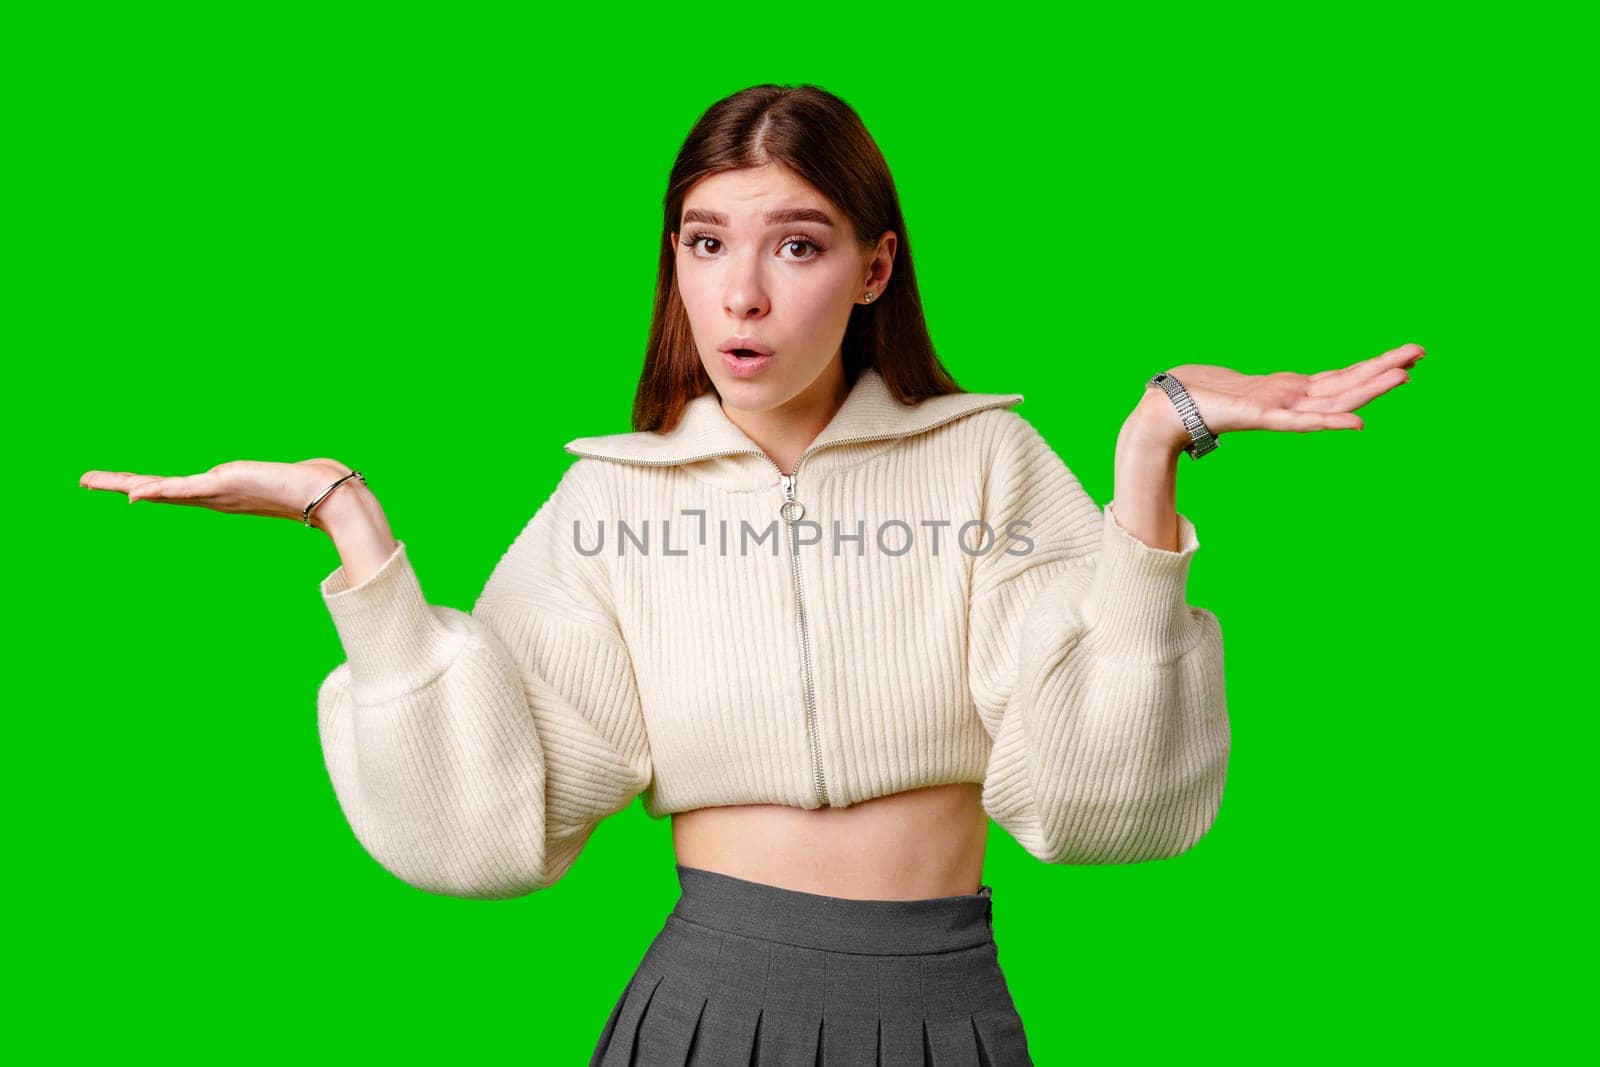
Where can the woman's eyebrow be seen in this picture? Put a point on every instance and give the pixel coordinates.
(798, 214)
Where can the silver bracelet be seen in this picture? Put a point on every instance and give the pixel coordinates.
(1201, 439)
(305, 516)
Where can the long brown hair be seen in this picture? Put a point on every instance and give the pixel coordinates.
(822, 139)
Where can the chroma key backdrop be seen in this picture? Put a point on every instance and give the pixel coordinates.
(423, 243)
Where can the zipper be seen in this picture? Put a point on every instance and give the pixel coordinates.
(791, 511)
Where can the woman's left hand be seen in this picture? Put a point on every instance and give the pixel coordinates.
(1284, 400)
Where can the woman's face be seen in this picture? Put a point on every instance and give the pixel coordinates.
(765, 261)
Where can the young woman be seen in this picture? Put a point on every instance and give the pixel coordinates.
(821, 606)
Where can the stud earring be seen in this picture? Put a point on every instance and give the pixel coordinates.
(869, 296)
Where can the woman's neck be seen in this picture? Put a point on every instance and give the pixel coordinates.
(786, 431)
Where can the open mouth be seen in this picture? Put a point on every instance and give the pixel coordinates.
(745, 353)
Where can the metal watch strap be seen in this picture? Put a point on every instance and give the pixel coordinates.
(1201, 439)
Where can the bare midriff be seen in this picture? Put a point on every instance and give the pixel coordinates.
(905, 846)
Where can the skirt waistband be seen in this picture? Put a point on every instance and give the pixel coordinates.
(835, 924)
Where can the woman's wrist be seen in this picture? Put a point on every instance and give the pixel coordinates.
(347, 510)
(1155, 424)
(1145, 472)
(360, 530)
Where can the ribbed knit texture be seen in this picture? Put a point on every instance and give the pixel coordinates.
(473, 754)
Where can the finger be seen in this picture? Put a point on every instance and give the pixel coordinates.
(144, 488)
(1358, 395)
(188, 486)
(117, 481)
(1295, 421)
(1329, 381)
(179, 489)
(1342, 378)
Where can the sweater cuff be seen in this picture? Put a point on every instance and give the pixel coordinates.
(1137, 608)
(394, 640)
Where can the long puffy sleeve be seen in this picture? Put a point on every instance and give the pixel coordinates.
(474, 754)
(1100, 686)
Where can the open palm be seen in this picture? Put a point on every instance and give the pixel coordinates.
(1285, 400)
(240, 487)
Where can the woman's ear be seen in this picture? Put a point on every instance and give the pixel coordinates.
(881, 263)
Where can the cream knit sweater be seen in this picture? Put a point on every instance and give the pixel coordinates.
(872, 638)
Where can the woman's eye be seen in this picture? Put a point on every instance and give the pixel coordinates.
(797, 246)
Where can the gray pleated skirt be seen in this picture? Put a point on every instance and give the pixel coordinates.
(747, 973)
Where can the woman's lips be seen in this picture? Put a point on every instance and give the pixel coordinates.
(741, 367)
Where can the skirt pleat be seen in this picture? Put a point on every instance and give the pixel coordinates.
(951, 1041)
(999, 1036)
(788, 1038)
(839, 983)
(668, 1028)
(900, 1042)
(611, 1020)
(850, 1040)
(727, 1035)
(619, 1048)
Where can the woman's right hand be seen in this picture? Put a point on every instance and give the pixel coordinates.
(241, 487)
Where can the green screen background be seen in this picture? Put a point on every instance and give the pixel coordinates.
(423, 243)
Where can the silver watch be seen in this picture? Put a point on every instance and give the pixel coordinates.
(1201, 439)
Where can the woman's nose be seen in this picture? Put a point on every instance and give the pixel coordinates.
(746, 292)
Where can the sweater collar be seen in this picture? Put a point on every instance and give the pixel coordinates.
(870, 412)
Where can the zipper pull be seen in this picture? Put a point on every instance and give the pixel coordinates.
(791, 510)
